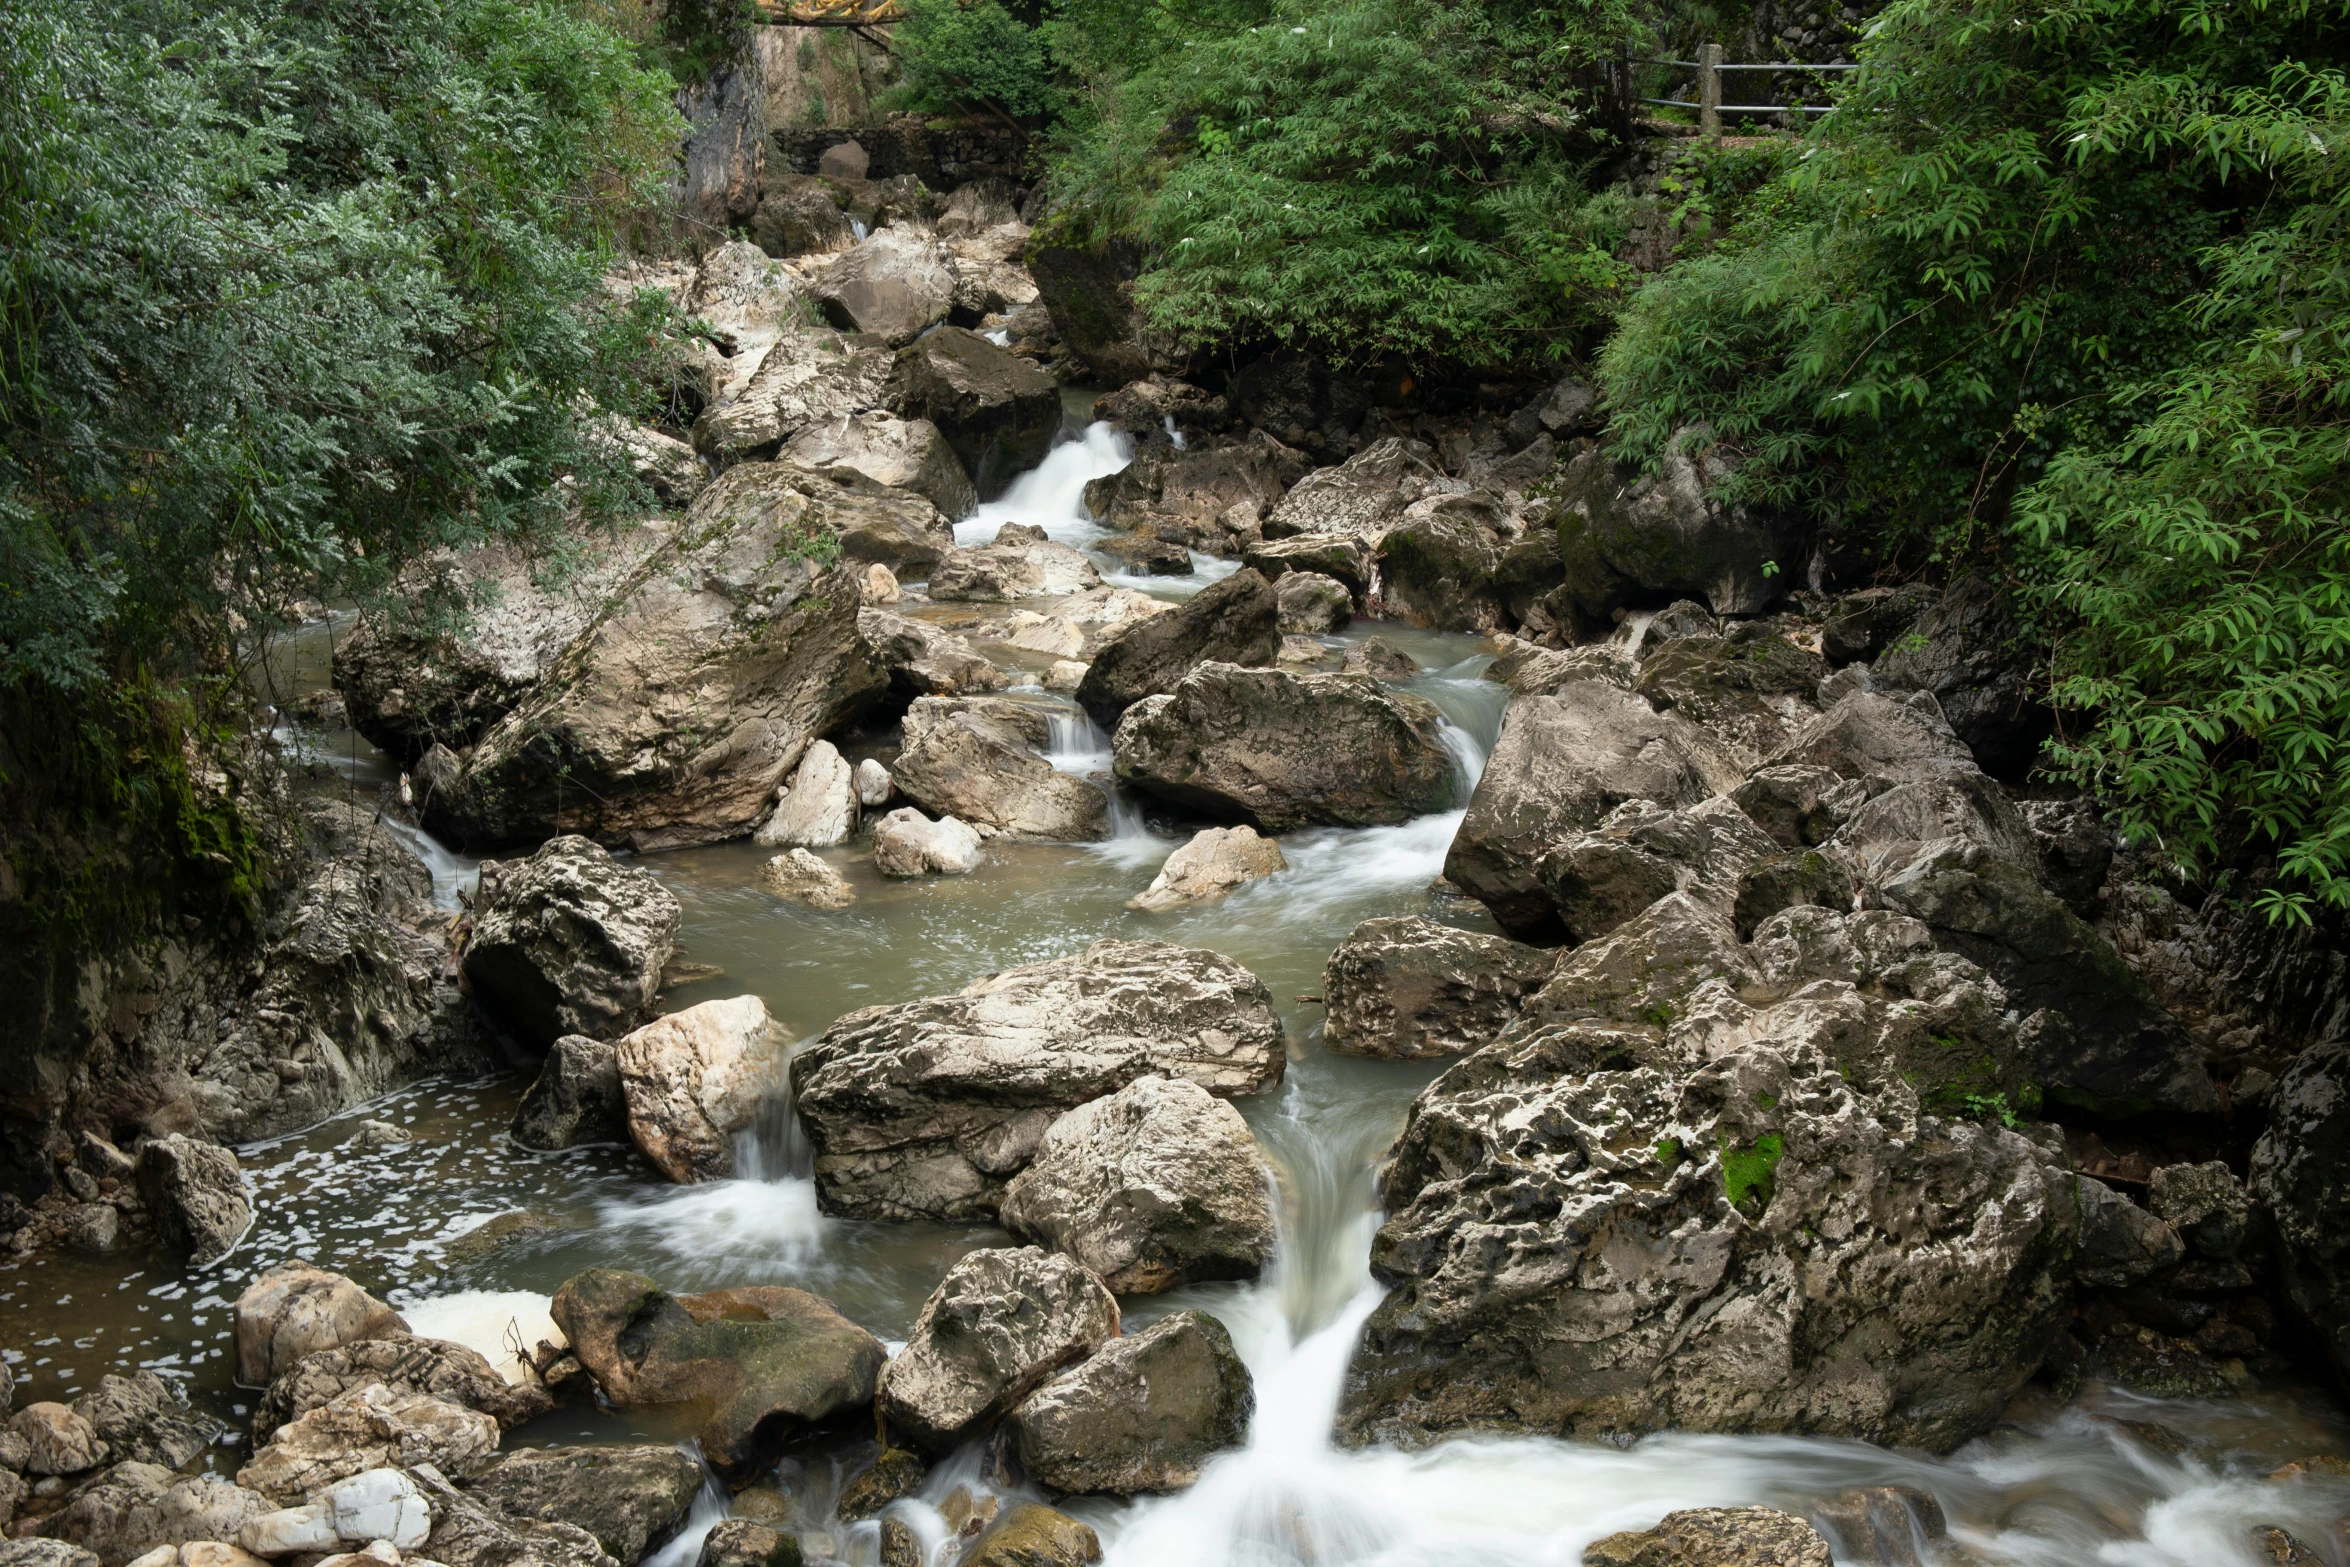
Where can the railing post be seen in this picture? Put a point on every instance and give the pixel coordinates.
(1709, 89)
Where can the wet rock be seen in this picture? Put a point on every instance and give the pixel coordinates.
(695, 1078)
(1156, 1185)
(996, 409)
(926, 1108)
(295, 1310)
(800, 877)
(1284, 750)
(569, 941)
(1234, 621)
(922, 660)
(2121, 1053)
(1360, 497)
(1715, 1537)
(997, 1326)
(2278, 1546)
(1561, 764)
(2120, 1243)
(894, 285)
(820, 809)
(1621, 533)
(1005, 573)
(467, 1534)
(144, 1419)
(738, 1542)
(1211, 864)
(895, 1472)
(1409, 988)
(370, 1427)
(1144, 1414)
(1639, 852)
(134, 1507)
(1312, 604)
(1212, 497)
(2301, 1174)
(1440, 564)
(762, 1362)
(674, 716)
(446, 1371)
(1896, 1525)
(1033, 1535)
(575, 1099)
(967, 768)
(93, 1229)
(631, 1499)
(1968, 651)
(58, 1440)
(907, 843)
(1380, 659)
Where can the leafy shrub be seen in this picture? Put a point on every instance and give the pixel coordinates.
(959, 56)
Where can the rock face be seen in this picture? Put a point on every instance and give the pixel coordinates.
(196, 1195)
(1146, 1413)
(370, 1427)
(1562, 763)
(1715, 1537)
(996, 409)
(693, 1079)
(821, 808)
(630, 1498)
(1284, 751)
(926, 1109)
(1409, 989)
(569, 941)
(575, 1099)
(1234, 621)
(1215, 861)
(672, 719)
(908, 843)
(1659, 534)
(446, 1371)
(967, 767)
(905, 454)
(894, 285)
(295, 1310)
(1965, 649)
(1440, 564)
(1359, 497)
(2301, 1173)
(999, 1323)
(763, 1363)
(807, 378)
(1716, 1213)
(1156, 1185)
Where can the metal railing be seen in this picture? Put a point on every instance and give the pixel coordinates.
(1710, 68)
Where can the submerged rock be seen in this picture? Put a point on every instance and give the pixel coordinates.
(999, 1323)
(801, 877)
(1156, 1185)
(295, 1310)
(1285, 751)
(569, 941)
(925, 1109)
(631, 1499)
(575, 1099)
(695, 1078)
(1213, 862)
(1410, 988)
(1144, 1414)
(1233, 621)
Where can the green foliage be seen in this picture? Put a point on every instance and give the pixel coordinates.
(290, 294)
(1668, 1152)
(1752, 1170)
(961, 56)
(1373, 176)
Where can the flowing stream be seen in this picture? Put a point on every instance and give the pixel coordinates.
(469, 1233)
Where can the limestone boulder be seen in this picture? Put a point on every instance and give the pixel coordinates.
(797, 216)
(1283, 751)
(968, 768)
(1156, 1185)
(1361, 497)
(143, 1418)
(900, 531)
(631, 1498)
(1640, 851)
(575, 1099)
(57, 1439)
(1214, 862)
(1623, 534)
(1561, 764)
(908, 843)
(926, 1108)
(819, 811)
(569, 941)
(134, 1507)
(1235, 621)
(807, 378)
(1887, 832)
(437, 1368)
(1750, 686)
(1440, 563)
(1311, 604)
(1144, 1414)
(1341, 557)
(1799, 805)
(760, 1363)
(1380, 659)
(1001, 573)
(1715, 1537)
(195, 1193)
(799, 876)
(1142, 555)
(369, 1427)
(295, 1310)
(693, 1079)
(924, 660)
(663, 464)
(1872, 737)
(997, 410)
(2301, 1174)
(997, 1326)
(904, 454)
(894, 285)
(1409, 988)
(1212, 496)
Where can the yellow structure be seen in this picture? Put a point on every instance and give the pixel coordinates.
(831, 13)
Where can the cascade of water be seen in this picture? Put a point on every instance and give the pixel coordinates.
(455, 876)
(857, 229)
(1078, 744)
(1173, 434)
(1051, 495)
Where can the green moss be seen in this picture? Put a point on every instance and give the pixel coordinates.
(1752, 1170)
(1669, 1152)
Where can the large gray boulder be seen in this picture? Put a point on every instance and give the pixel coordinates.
(1562, 763)
(924, 660)
(673, 718)
(575, 1099)
(1312, 604)
(695, 1078)
(1409, 988)
(371, 1427)
(1282, 750)
(1640, 851)
(1440, 564)
(1235, 621)
(997, 410)
(1156, 1185)
(1750, 686)
(877, 525)
(925, 1109)
(807, 378)
(295, 1310)
(797, 216)
(1623, 534)
(1144, 1414)
(144, 1419)
(631, 1498)
(1360, 497)
(905, 454)
(1871, 737)
(446, 1371)
(998, 1324)
(569, 941)
(820, 809)
(895, 285)
(1003, 572)
(2301, 1173)
(969, 768)
(1341, 557)
(1212, 496)
(195, 1193)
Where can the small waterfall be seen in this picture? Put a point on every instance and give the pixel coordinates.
(1000, 336)
(857, 228)
(1078, 744)
(455, 877)
(1173, 434)
(713, 1504)
(1051, 495)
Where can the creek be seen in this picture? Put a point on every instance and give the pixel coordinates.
(468, 1233)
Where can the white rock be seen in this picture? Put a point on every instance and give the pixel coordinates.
(873, 783)
(821, 809)
(161, 1556)
(291, 1531)
(380, 1504)
(877, 584)
(907, 843)
(803, 878)
(215, 1553)
(1065, 674)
